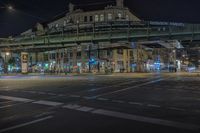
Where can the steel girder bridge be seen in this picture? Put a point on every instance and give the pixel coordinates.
(119, 31)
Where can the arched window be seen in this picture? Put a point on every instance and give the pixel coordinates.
(96, 18)
(119, 15)
(109, 16)
(101, 17)
(64, 23)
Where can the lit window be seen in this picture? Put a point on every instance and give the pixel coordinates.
(119, 15)
(96, 18)
(101, 17)
(64, 23)
(109, 16)
(57, 25)
(127, 17)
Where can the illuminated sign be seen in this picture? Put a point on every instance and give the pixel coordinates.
(24, 62)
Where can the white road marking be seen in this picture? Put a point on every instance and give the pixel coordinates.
(5, 89)
(174, 108)
(6, 102)
(136, 103)
(152, 105)
(89, 98)
(8, 106)
(61, 95)
(85, 109)
(33, 92)
(25, 124)
(42, 93)
(9, 118)
(115, 85)
(118, 101)
(72, 106)
(75, 96)
(102, 99)
(17, 99)
(146, 119)
(44, 114)
(132, 87)
(48, 103)
(53, 94)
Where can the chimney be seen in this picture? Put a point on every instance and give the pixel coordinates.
(71, 7)
(120, 3)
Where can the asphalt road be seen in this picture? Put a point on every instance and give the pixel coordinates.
(100, 104)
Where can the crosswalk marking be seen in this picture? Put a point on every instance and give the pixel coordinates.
(49, 103)
(146, 119)
(17, 99)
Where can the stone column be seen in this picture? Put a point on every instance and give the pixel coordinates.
(115, 59)
(57, 62)
(125, 59)
(83, 57)
(128, 60)
(74, 50)
(89, 53)
(36, 57)
(139, 59)
(98, 52)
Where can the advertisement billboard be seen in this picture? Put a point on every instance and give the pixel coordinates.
(24, 62)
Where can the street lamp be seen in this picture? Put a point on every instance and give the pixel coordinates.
(5, 62)
(7, 53)
(9, 7)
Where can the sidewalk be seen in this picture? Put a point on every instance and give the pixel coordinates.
(138, 75)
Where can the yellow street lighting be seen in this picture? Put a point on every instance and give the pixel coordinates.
(7, 53)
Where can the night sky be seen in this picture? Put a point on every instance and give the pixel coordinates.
(28, 12)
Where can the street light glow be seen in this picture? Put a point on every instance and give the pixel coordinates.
(7, 53)
(10, 8)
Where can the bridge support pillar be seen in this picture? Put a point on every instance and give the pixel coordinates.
(74, 52)
(126, 60)
(140, 63)
(89, 53)
(83, 59)
(115, 58)
(36, 57)
(98, 56)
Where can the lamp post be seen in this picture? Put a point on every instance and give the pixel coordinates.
(6, 54)
(5, 62)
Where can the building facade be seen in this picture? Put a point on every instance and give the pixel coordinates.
(108, 56)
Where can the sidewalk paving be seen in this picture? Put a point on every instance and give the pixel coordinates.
(139, 75)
